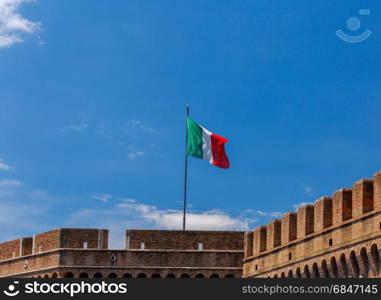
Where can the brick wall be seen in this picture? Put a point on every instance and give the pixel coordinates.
(46, 241)
(26, 246)
(75, 238)
(184, 240)
(10, 249)
(152, 258)
(71, 238)
(350, 216)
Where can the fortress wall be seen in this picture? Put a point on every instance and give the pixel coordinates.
(260, 240)
(71, 238)
(149, 272)
(61, 251)
(362, 197)
(305, 220)
(249, 237)
(288, 228)
(152, 258)
(26, 246)
(274, 229)
(377, 190)
(109, 260)
(15, 248)
(46, 241)
(29, 263)
(10, 249)
(75, 238)
(350, 216)
(184, 240)
(341, 206)
(323, 213)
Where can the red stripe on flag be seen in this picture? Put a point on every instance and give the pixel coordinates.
(218, 151)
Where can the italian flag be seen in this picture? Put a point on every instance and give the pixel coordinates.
(204, 144)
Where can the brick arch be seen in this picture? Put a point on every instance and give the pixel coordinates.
(127, 275)
(141, 275)
(155, 275)
(375, 259)
(282, 275)
(315, 270)
(229, 276)
(98, 275)
(324, 268)
(214, 276)
(68, 275)
(275, 276)
(334, 268)
(185, 275)
(112, 275)
(344, 265)
(54, 275)
(46, 276)
(354, 264)
(83, 275)
(290, 274)
(170, 275)
(306, 272)
(298, 274)
(365, 262)
(200, 275)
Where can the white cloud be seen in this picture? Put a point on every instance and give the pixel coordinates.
(172, 218)
(10, 182)
(4, 166)
(260, 213)
(102, 197)
(75, 127)
(130, 213)
(308, 190)
(14, 26)
(135, 155)
(135, 126)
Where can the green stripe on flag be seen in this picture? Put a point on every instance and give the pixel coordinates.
(194, 139)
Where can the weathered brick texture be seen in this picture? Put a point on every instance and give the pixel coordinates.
(362, 197)
(323, 213)
(274, 229)
(181, 240)
(288, 227)
(260, 240)
(305, 220)
(61, 253)
(342, 206)
(335, 237)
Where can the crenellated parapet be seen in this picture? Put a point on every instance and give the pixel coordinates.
(63, 238)
(349, 215)
(84, 253)
(323, 212)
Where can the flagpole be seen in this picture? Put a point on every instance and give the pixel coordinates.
(186, 168)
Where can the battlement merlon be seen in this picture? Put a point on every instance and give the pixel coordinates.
(97, 239)
(184, 240)
(327, 212)
(55, 239)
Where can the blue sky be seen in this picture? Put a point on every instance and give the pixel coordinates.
(93, 94)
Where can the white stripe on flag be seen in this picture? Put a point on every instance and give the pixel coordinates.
(207, 145)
